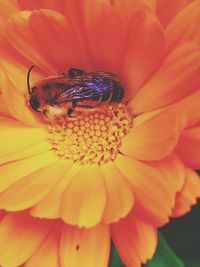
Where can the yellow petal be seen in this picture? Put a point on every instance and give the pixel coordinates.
(85, 247)
(84, 199)
(120, 198)
(26, 152)
(29, 190)
(12, 172)
(15, 136)
(20, 236)
(49, 206)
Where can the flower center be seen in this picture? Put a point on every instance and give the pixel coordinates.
(94, 137)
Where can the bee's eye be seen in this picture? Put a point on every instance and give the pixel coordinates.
(33, 89)
(35, 103)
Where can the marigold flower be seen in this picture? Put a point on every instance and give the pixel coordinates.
(118, 172)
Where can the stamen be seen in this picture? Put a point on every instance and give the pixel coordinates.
(92, 138)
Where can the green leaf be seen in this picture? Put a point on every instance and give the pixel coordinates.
(164, 256)
(183, 234)
(115, 260)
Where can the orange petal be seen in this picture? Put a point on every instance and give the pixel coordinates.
(153, 139)
(20, 237)
(15, 137)
(187, 109)
(188, 147)
(151, 3)
(29, 4)
(120, 198)
(84, 199)
(14, 171)
(57, 39)
(8, 8)
(4, 112)
(48, 252)
(2, 214)
(127, 9)
(178, 76)
(76, 13)
(141, 58)
(29, 190)
(185, 26)
(173, 168)
(154, 193)
(104, 35)
(15, 93)
(53, 44)
(188, 195)
(167, 10)
(37, 4)
(135, 240)
(8, 52)
(19, 34)
(79, 246)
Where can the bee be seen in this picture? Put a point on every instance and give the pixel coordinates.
(73, 92)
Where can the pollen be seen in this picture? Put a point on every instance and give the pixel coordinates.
(92, 138)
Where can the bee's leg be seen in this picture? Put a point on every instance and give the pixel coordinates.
(101, 97)
(99, 101)
(73, 73)
(110, 97)
(69, 112)
(74, 103)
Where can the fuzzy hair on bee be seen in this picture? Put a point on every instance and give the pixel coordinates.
(72, 93)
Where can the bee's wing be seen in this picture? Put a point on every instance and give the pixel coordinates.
(84, 88)
(75, 93)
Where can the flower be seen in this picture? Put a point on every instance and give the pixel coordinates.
(139, 170)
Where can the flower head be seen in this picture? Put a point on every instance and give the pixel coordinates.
(119, 169)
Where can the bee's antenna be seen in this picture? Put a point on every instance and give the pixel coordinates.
(28, 79)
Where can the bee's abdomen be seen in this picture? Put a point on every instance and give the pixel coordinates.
(117, 93)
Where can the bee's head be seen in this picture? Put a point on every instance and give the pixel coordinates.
(34, 103)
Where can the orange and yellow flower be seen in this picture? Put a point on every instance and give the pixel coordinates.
(119, 173)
